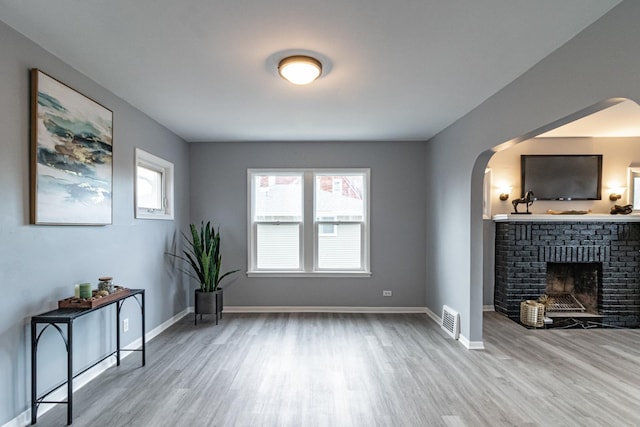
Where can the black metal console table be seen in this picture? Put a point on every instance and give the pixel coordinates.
(67, 316)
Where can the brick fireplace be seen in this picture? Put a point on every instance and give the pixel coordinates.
(598, 262)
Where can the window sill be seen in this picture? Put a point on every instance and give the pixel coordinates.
(315, 274)
(146, 215)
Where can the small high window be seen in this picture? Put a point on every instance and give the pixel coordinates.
(153, 187)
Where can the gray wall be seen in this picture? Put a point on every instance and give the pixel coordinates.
(488, 252)
(600, 63)
(398, 206)
(40, 264)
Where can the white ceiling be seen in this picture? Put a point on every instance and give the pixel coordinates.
(394, 70)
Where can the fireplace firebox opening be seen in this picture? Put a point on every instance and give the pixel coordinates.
(574, 286)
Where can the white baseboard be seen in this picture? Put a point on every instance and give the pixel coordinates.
(433, 316)
(471, 345)
(81, 380)
(24, 419)
(318, 309)
(489, 307)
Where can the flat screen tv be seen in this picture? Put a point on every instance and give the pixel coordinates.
(562, 176)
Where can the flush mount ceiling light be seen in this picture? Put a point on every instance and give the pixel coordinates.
(300, 69)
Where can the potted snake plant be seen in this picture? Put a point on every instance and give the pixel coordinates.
(204, 260)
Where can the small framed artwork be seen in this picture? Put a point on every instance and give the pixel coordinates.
(71, 155)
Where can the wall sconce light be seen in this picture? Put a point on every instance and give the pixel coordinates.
(504, 193)
(616, 193)
(300, 69)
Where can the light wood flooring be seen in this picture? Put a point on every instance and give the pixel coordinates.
(332, 369)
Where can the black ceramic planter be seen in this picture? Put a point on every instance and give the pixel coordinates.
(208, 303)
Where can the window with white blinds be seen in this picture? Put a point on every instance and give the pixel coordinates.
(308, 221)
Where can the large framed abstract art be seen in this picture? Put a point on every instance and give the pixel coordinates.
(71, 155)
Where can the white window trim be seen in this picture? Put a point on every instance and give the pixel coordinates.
(308, 246)
(148, 160)
(633, 171)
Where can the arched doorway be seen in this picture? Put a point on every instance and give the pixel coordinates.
(610, 121)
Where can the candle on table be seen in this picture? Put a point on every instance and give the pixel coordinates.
(85, 290)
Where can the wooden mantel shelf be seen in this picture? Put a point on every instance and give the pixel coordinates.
(566, 218)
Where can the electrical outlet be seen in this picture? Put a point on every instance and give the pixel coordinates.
(387, 293)
(125, 325)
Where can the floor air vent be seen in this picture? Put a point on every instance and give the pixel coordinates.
(450, 321)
